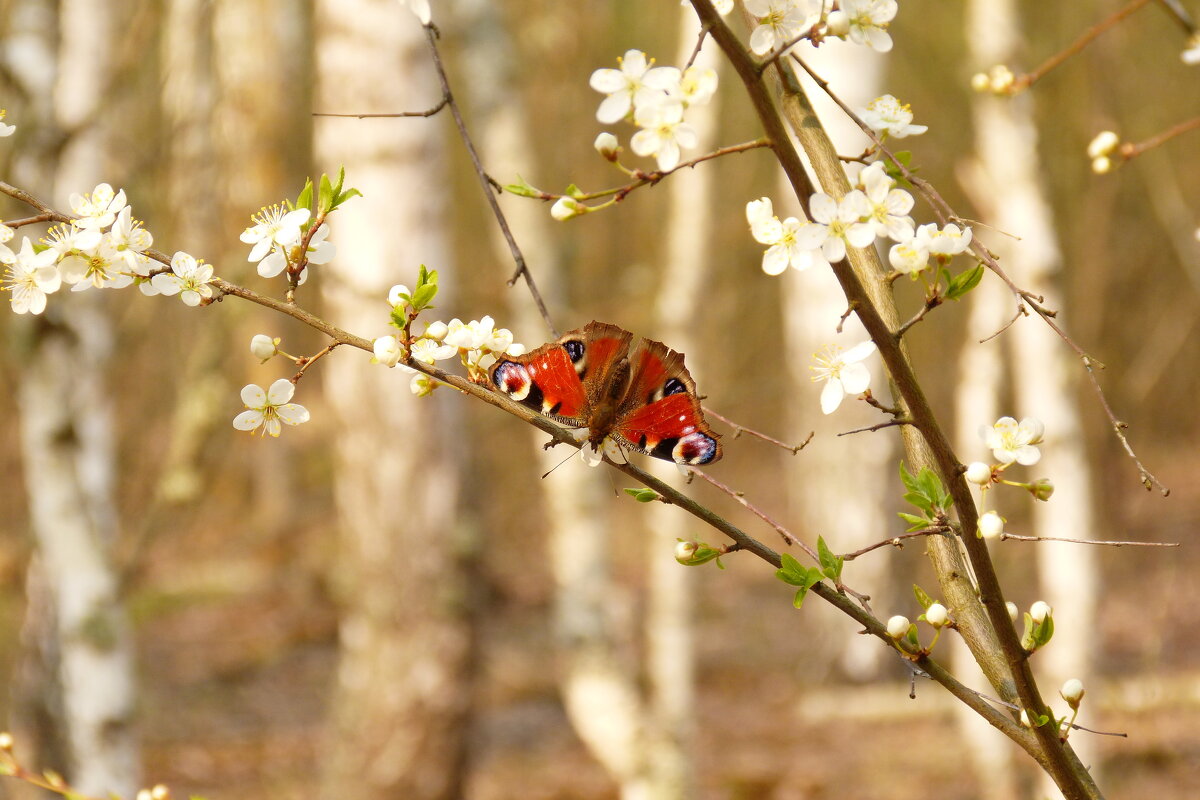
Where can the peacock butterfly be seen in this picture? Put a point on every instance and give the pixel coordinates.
(592, 379)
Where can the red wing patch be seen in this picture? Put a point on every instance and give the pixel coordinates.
(553, 373)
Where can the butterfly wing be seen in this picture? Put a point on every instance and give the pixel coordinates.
(660, 413)
(563, 379)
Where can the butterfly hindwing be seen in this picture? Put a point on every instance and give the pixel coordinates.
(661, 413)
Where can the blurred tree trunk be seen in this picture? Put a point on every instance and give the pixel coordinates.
(66, 419)
(641, 736)
(1005, 185)
(837, 484)
(402, 703)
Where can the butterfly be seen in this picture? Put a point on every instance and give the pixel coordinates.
(594, 379)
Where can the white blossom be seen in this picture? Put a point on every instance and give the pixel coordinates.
(270, 408)
(635, 84)
(29, 276)
(843, 373)
(887, 115)
(188, 278)
(1010, 441)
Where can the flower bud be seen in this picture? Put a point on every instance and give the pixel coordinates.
(436, 330)
(1103, 144)
(422, 385)
(1001, 78)
(685, 551)
(1102, 165)
(388, 351)
(567, 207)
(607, 146)
(897, 626)
(1012, 610)
(937, 615)
(6, 741)
(160, 792)
(991, 525)
(1072, 691)
(979, 472)
(980, 82)
(144, 794)
(1041, 489)
(837, 23)
(394, 293)
(1025, 719)
(1039, 611)
(263, 347)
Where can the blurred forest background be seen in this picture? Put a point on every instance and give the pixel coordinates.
(254, 573)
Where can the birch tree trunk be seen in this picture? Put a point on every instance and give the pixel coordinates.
(833, 482)
(403, 695)
(1006, 187)
(66, 420)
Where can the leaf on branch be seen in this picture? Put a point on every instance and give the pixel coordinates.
(831, 565)
(964, 282)
(922, 597)
(794, 574)
(642, 494)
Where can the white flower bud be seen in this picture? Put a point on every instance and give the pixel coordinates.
(422, 385)
(1025, 719)
(263, 346)
(1103, 145)
(1001, 78)
(936, 615)
(388, 351)
(515, 349)
(837, 23)
(6, 741)
(567, 207)
(1040, 610)
(991, 525)
(395, 292)
(1012, 610)
(607, 146)
(897, 626)
(1102, 165)
(685, 551)
(436, 330)
(980, 82)
(1072, 691)
(979, 472)
(1042, 489)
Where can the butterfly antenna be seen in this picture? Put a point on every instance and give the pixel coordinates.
(559, 464)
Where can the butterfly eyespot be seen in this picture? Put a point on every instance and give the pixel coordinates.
(695, 448)
(673, 386)
(574, 350)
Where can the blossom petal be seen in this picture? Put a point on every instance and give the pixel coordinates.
(831, 396)
(248, 420)
(855, 378)
(292, 413)
(280, 392)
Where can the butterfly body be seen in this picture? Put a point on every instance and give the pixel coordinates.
(596, 378)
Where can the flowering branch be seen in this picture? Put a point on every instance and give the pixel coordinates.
(898, 541)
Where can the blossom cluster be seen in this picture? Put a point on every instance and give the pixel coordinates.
(876, 208)
(104, 247)
(655, 99)
(1011, 442)
(782, 23)
(276, 236)
(477, 343)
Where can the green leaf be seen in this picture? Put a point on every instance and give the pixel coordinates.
(574, 192)
(907, 478)
(399, 318)
(791, 571)
(831, 565)
(522, 189)
(964, 282)
(346, 195)
(915, 523)
(1043, 632)
(306, 194)
(325, 195)
(642, 494)
(337, 189)
(423, 295)
(922, 596)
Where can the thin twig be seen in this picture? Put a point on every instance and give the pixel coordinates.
(787, 535)
(898, 541)
(34, 220)
(1021, 312)
(891, 423)
(1017, 538)
(486, 183)
(306, 362)
(930, 304)
(642, 178)
(1026, 80)
(738, 430)
(429, 112)
(1131, 150)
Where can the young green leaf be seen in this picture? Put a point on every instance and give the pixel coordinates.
(642, 494)
(831, 565)
(964, 282)
(922, 596)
